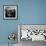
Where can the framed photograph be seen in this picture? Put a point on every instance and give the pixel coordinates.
(33, 32)
(10, 12)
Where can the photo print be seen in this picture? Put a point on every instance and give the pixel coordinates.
(10, 12)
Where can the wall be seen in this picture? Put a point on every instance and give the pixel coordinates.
(33, 12)
(29, 12)
(7, 26)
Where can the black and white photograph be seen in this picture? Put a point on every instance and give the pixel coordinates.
(33, 32)
(10, 11)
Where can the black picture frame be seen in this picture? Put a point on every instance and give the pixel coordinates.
(10, 12)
